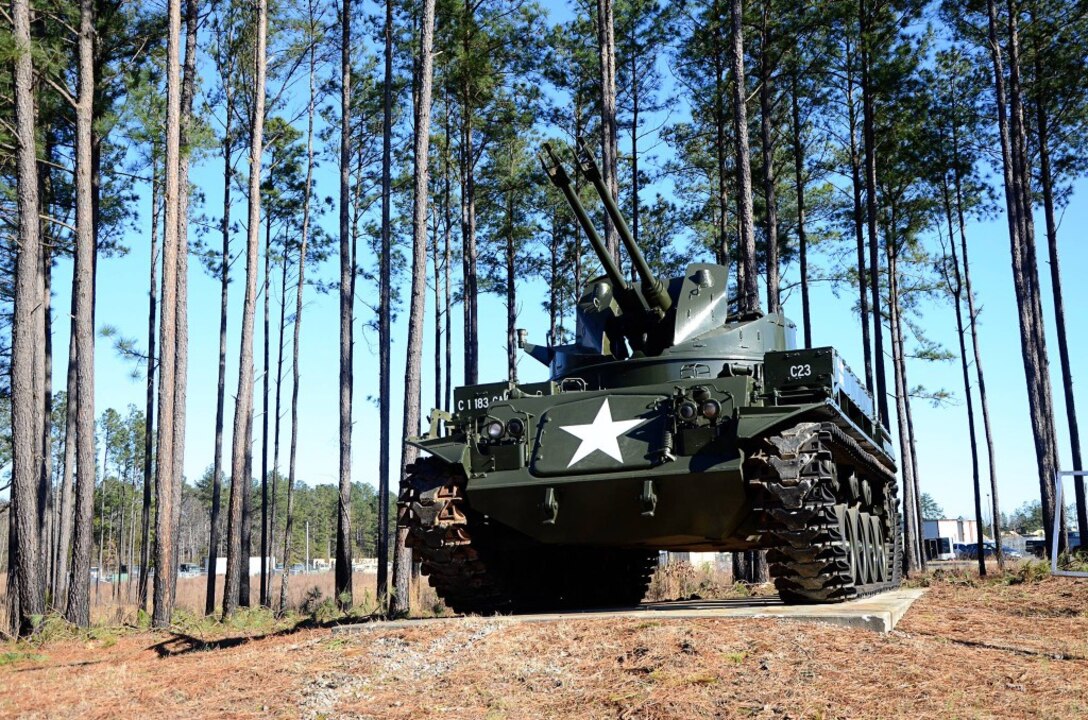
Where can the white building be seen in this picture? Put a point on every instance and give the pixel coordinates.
(254, 565)
(941, 536)
(698, 560)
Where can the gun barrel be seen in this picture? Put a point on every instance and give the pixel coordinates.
(555, 171)
(652, 288)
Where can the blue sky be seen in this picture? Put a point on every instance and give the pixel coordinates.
(945, 468)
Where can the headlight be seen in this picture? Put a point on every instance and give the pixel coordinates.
(688, 410)
(712, 409)
(495, 430)
(515, 427)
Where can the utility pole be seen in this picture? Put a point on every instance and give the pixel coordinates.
(307, 546)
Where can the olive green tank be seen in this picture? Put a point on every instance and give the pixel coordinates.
(669, 424)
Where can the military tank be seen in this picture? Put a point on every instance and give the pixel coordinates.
(670, 423)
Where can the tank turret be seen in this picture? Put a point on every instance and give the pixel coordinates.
(653, 289)
(614, 308)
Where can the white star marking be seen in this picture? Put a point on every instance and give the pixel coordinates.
(601, 434)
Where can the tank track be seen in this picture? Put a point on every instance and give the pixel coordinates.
(479, 567)
(829, 514)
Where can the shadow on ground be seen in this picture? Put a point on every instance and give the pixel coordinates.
(181, 643)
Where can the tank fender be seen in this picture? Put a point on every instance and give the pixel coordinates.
(451, 451)
(753, 421)
(442, 447)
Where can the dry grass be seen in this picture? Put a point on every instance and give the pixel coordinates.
(1014, 647)
(683, 581)
(115, 604)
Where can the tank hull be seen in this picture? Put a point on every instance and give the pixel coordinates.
(752, 447)
(704, 510)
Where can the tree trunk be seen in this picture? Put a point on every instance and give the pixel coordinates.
(67, 493)
(45, 481)
(245, 593)
(384, 313)
(957, 299)
(244, 404)
(120, 544)
(149, 394)
(606, 45)
(1046, 180)
(288, 526)
(635, 86)
(266, 377)
(911, 559)
(447, 231)
(554, 285)
(439, 312)
(748, 292)
(277, 419)
(766, 108)
(510, 253)
(1025, 274)
(880, 388)
(221, 377)
(101, 513)
(47, 501)
(165, 572)
(296, 344)
(915, 465)
(79, 609)
(468, 217)
(244, 588)
(972, 316)
(25, 600)
(720, 146)
(799, 189)
(347, 285)
(1022, 164)
(859, 223)
(402, 559)
(579, 131)
(181, 371)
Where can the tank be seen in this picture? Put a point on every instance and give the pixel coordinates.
(669, 424)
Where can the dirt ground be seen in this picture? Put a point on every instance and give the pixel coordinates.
(965, 650)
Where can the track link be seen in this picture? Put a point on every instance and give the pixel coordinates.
(480, 567)
(829, 513)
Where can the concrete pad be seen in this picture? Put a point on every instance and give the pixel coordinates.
(879, 613)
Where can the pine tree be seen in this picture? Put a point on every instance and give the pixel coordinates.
(1010, 122)
(385, 310)
(225, 46)
(606, 45)
(646, 28)
(181, 349)
(78, 607)
(402, 557)
(1054, 42)
(165, 536)
(243, 407)
(347, 299)
(25, 598)
(747, 274)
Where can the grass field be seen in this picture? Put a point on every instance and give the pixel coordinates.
(1008, 647)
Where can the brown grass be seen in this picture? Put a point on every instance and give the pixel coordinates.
(683, 581)
(1014, 647)
(116, 604)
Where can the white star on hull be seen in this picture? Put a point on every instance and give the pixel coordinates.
(601, 434)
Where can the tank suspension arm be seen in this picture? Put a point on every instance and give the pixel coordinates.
(652, 288)
(555, 171)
